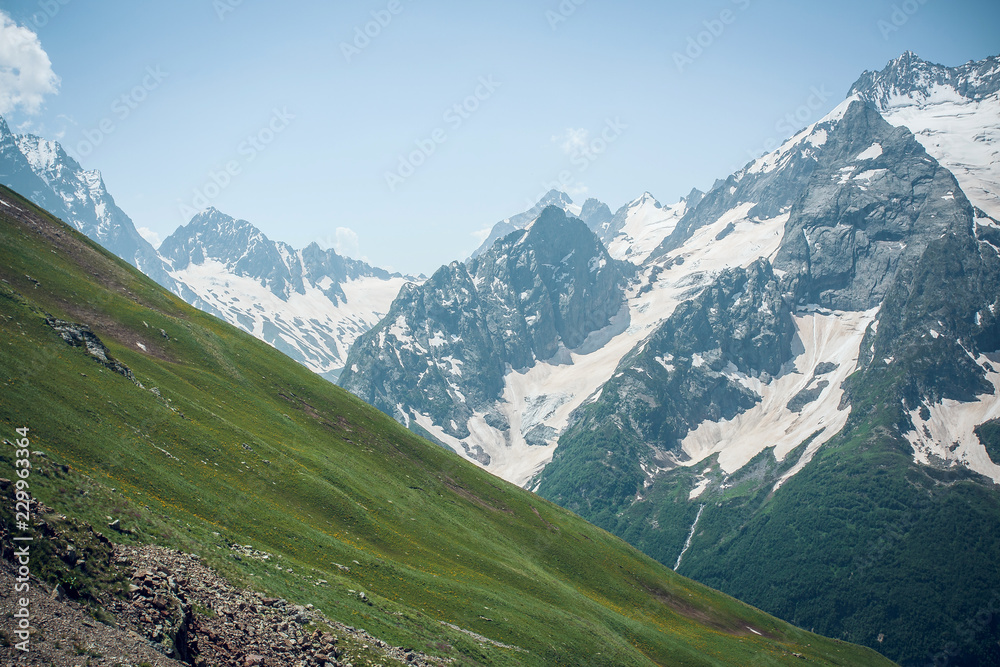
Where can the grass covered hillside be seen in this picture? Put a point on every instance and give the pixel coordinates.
(197, 436)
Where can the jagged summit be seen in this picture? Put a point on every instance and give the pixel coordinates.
(921, 82)
(953, 111)
(521, 220)
(438, 360)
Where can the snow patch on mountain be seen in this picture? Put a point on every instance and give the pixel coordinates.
(872, 152)
(826, 337)
(311, 324)
(954, 113)
(646, 224)
(948, 434)
(961, 134)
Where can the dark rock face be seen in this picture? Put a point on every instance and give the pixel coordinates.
(597, 215)
(860, 220)
(865, 203)
(445, 346)
(862, 196)
(938, 318)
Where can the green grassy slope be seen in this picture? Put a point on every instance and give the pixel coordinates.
(240, 445)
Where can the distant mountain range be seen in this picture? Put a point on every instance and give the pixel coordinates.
(311, 304)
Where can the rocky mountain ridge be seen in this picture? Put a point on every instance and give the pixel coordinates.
(537, 294)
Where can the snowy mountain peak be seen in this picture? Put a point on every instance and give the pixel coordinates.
(953, 111)
(311, 304)
(42, 155)
(213, 218)
(555, 198)
(593, 212)
(214, 235)
(641, 225)
(44, 173)
(645, 199)
(910, 80)
(812, 137)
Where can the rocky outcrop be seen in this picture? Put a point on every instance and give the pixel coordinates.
(111, 604)
(188, 611)
(911, 76)
(80, 335)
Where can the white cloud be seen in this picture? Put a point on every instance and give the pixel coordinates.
(346, 243)
(573, 141)
(482, 234)
(26, 75)
(151, 236)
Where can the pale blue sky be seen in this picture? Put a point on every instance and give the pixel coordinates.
(545, 87)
